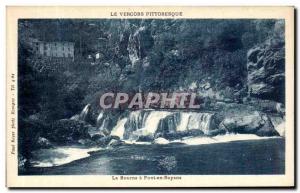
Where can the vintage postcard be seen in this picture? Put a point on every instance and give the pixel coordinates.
(150, 97)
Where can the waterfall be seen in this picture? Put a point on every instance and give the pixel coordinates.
(152, 121)
(132, 51)
(145, 126)
(149, 123)
(103, 126)
(135, 121)
(84, 112)
(119, 129)
(184, 120)
(199, 121)
(193, 120)
(134, 46)
(99, 118)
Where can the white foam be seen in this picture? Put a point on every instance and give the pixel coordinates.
(279, 124)
(133, 142)
(61, 155)
(161, 140)
(201, 140)
(220, 139)
(280, 128)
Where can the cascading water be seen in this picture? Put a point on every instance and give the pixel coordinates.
(134, 46)
(103, 127)
(151, 123)
(147, 122)
(119, 129)
(84, 112)
(99, 118)
(199, 121)
(184, 121)
(132, 51)
(137, 119)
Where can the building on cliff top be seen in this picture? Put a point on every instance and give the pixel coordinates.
(55, 50)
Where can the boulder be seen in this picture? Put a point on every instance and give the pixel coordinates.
(86, 142)
(115, 143)
(145, 138)
(254, 123)
(92, 130)
(104, 141)
(97, 137)
(43, 143)
(216, 132)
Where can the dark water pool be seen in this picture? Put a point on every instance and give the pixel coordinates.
(264, 156)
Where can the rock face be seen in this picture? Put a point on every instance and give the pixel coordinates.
(253, 123)
(139, 43)
(266, 77)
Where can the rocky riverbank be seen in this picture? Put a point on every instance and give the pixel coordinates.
(156, 127)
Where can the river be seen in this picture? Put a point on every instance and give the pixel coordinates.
(264, 156)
